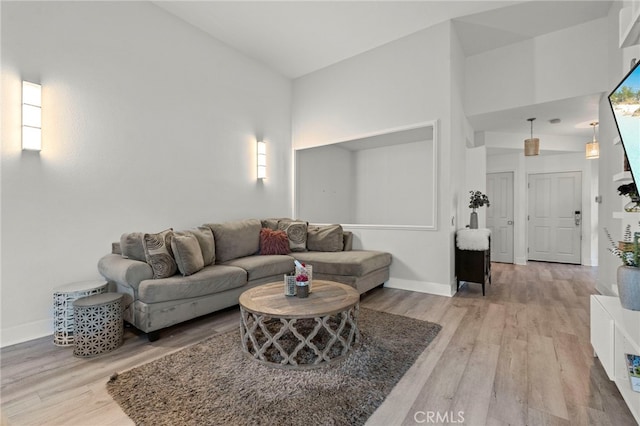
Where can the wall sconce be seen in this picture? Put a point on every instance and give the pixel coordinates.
(262, 160)
(593, 148)
(31, 116)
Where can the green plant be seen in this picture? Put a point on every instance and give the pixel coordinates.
(478, 199)
(628, 189)
(628, 249)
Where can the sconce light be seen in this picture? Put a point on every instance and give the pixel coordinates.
(262, 160)
(532, 145)
(593, 148)
(31, 116)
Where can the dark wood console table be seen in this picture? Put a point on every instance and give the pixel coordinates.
(473, 265)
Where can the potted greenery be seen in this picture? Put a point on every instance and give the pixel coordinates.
(630, 190)
(628, 274)
(477, 200)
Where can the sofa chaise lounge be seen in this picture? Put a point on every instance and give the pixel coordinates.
(171, 277)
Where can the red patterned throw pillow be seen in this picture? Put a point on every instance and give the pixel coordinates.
(273, 242)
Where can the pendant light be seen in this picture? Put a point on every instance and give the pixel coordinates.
(593, 147)
(531, 145)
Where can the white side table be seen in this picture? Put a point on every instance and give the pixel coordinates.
(63, 298)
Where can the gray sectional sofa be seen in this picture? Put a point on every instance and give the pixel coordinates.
(171, 277)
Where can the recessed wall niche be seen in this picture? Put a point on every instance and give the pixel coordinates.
(387, 179)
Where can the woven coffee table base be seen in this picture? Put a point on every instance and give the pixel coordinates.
(299, 343)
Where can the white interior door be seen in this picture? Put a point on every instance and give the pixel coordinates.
(500, 215)
(555, 217)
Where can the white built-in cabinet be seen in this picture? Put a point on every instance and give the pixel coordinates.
(615, 331)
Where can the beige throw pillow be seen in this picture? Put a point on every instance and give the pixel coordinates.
(157, 249)
(131, 246)
(188, 254)
(324, 238)
(296, 232)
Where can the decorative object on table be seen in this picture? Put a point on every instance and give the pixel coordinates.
(306, 270)
(63, 298)
(630, 190)
(477, 200)
(628, 274)
(633, 368)
(213, 382)
(302, 286)
(290, 284)
(99, 324)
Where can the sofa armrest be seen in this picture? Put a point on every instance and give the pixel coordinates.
(124, 271)
(347, 241)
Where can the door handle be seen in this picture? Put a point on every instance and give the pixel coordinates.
(577, 217)
(510, 222)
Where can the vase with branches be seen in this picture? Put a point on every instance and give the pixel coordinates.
(628, 274)
(476, 200)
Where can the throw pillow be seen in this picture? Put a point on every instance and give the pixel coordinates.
(324, 238)
(188, 254)
(204, 235)
(273, 242)
(236, 239)
(131, 246)
(157, 249)
(296, 232)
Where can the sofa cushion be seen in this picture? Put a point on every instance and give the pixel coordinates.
(212, 279)
(131, 246)
(157, 250)
(204, 234)
(263, 266)
(355, 262)
(296, 232)
(273, 242)
(187, 253)
(272, 223)
(324, 238)
(236, 239)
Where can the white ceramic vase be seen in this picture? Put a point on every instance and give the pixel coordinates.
(473, 220)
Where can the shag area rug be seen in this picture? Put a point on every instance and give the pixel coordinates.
(215, 383)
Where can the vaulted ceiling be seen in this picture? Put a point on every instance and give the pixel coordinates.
(298, 37)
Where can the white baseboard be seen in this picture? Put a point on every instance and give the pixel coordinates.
(420, 286)
(25, 332)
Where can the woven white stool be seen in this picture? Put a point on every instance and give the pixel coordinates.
(99, 325)
(63, 298)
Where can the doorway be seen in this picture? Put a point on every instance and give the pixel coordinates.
(555, 217)
(500, 215)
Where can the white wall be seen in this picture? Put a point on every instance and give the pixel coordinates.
(394, 184)
(399, 84)
(325, 185)
(148, 123)
(563, 64)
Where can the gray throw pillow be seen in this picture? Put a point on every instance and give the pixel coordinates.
(236, 239)
(131, 246)
(296, 232)
(188, 254)
(157, 249)
(324, 238)
(204, 235)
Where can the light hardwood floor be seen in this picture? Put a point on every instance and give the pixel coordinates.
(520, 355)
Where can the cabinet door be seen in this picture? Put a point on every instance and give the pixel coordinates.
(602, 335)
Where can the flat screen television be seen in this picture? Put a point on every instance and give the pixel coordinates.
(625, 104)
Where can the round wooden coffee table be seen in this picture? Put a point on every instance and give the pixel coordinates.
(290, 332)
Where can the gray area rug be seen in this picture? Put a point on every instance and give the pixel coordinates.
(214, 383)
